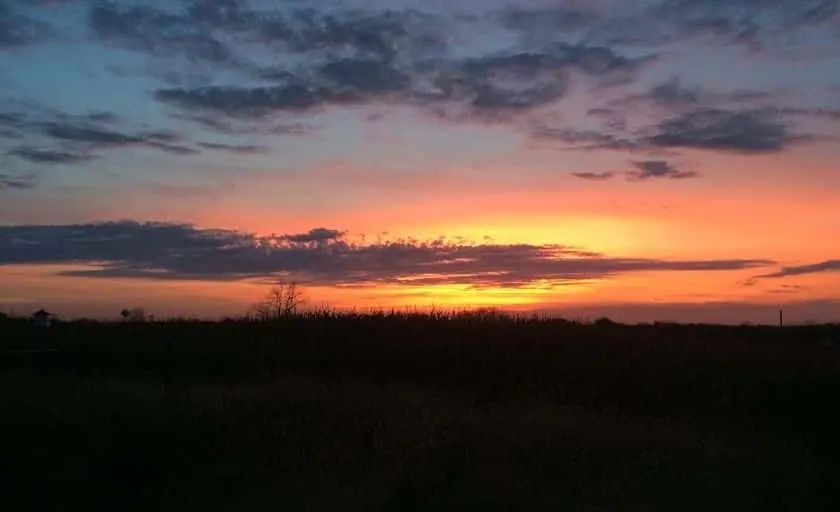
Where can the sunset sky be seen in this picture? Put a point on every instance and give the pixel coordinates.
(642, 159)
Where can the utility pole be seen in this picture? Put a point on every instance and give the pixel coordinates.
(781, 317)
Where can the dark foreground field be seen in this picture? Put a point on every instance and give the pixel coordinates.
(419, 413)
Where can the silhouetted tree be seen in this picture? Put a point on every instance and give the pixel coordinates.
(604, 322)
(282, 300)
(137, 315)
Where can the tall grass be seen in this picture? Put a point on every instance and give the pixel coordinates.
(420, 411)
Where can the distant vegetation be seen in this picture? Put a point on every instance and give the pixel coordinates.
(419, 412)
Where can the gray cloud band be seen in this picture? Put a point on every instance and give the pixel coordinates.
(320, 256)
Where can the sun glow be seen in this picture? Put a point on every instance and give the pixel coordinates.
(608, 235)
(464, 295)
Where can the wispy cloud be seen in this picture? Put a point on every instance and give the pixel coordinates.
(263, 60)
(10, 182)
(658, 169)
(233, 148)
(675, 96)
(351, 55)
(814, 268)
(747, 131)
(745, 21)
(92, 136)
(160, 32)
(18, 29)
(756, 25)
(594, 176)
(590, 140)
(316, 235)
(49, 156)
(787, 289)
(643, 170)
(58, 138)
(506, 82)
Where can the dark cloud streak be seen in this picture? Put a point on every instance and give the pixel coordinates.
(749, 131)
(384, 64)
(50, 156)
(589, 140)
(17, 29)
(11, 182)
(594, 176)
(351, 56)
(755, 24)
(547, 19)
(371, 34)
(157, 32)
(86, 137)
(643, 170)
(745, 131)
(814, 268)
(244, 102)
(231, 148)
(320, 256)
(745, 21)
(658, 169)
(57, 138)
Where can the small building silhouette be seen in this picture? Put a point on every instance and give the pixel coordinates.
(41, 318)
(133, 315)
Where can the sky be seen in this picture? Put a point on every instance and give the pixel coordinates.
(641, 159)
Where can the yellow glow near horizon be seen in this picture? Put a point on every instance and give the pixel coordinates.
(608, 235)
(462, 295)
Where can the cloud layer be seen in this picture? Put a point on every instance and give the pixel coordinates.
(642, 170)
(17, 29)
(504, 82)
(320, 256)
(226, 66)
(8, 181)
(750, 131)
(746, 131)
(37, 135)
(813, 268)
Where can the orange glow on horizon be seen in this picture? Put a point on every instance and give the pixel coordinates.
(33, 286)
(792, 225)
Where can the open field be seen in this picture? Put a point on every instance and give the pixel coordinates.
(411, 412)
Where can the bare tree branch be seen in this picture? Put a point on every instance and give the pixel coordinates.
(282, 300)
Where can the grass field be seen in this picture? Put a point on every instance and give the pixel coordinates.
(419, 412)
